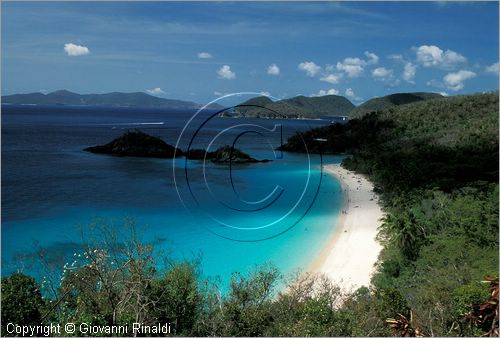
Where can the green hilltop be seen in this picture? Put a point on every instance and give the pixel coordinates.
(327, 105)
(296, 107)
(253, 103)
(397, 99)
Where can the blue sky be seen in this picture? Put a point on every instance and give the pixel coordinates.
(198, 51)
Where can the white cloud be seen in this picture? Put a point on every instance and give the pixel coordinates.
(443, 93)
(155, 91)
(409, 72)
(265, 93)
(217, 93)
(331, 78)
(349, 92)
(452, 58)
(492, 68)
(309, 67)
(429, 55)
(353, 67)
(75, 50)
(326, 92)
(225, 72)
(455, 81)
(433, 56)
(385, 75)
(372, 58)
(273, 70)
(382, 73)
(204, 55)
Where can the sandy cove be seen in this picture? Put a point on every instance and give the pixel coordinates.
(349, 256)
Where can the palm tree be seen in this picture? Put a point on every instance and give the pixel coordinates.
(405, 232)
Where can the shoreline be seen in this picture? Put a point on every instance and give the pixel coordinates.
(350, 254)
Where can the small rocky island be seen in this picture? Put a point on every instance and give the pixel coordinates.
(137, 144)
(224, 154)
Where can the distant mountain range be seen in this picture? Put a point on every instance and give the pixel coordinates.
(261, 106)
(116, 99)
(385, 102)
(295, 107)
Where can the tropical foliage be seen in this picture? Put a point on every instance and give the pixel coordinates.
(435, 163)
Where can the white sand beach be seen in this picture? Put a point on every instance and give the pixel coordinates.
(349, 257)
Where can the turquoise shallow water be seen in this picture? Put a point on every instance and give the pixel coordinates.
(50, 186)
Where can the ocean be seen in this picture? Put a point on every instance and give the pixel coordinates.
(230, 218)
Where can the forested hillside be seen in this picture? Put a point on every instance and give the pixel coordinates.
(436, 165)
(296, 107)
(392, 100)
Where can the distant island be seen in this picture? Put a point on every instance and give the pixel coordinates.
(115, 99)
(139, 144)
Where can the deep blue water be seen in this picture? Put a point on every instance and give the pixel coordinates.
(232, 217)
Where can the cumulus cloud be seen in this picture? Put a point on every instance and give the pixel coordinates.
(225, 72)
(204, 55)
(155, 91)
(75, 50)
(492, 68)
(433, 56)
(349, 92)
(372, 58)
(382, 73)
(409, 72)
(385, 75)
(310, 68)
(353, 67)
(455, 81)
(265, 93)
(323, 92)
(273, 70)
(331, 78)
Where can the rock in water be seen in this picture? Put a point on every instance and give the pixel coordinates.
(224, 155)
(228, 154)
(137, 144)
